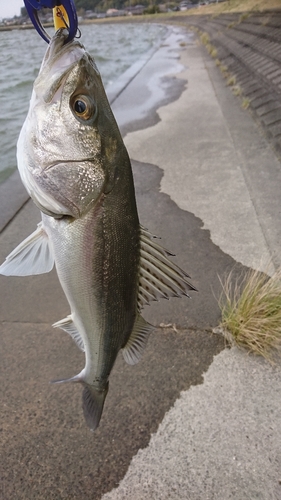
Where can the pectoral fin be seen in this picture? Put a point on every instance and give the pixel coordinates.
(136, 344)
(32, 256)
(68, 326)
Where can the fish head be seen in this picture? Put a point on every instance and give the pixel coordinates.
(69, 145)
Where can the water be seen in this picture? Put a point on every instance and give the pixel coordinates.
(115, 47)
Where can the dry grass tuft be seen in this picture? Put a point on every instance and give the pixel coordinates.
(251, 312)
(236, 90)
(224, 69)
(245, 103)
(243, 17)
(213, 52)
(205, 39)
(231, 81)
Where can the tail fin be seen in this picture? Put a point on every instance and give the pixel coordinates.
(93, 401)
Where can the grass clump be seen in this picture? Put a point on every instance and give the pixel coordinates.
(251, 312)
(231, 81)
(212, 50)
(245, 102)
(224, 70)
(205, 39)
(243, 17)
(236, 90)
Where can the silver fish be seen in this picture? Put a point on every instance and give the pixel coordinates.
(73, 163)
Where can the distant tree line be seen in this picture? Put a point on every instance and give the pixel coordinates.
(118, 4)
(103, 5)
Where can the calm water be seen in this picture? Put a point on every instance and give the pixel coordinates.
(114, 47)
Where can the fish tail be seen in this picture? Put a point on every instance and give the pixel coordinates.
(93, 401)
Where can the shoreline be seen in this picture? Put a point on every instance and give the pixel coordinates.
(204, 10)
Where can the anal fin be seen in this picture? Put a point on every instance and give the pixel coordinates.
(32, 256)
(69, 327)
(75, 379)
(136, 344)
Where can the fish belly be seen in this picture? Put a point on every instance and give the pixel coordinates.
(96, 259)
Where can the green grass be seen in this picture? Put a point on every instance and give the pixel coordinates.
(251, 312)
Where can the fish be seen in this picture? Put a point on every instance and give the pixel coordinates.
(73, 162)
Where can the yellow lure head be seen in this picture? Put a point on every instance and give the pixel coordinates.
(60, 17)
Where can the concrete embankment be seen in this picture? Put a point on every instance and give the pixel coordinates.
(248, 52)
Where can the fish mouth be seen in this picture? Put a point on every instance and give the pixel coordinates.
(58, 61)
(79, 161)
(58, 48)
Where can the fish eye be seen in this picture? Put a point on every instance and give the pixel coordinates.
(83, 107)
(80, 107)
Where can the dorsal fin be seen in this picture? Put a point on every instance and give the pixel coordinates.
(136, 344)
(31, 256)
(159, 277)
